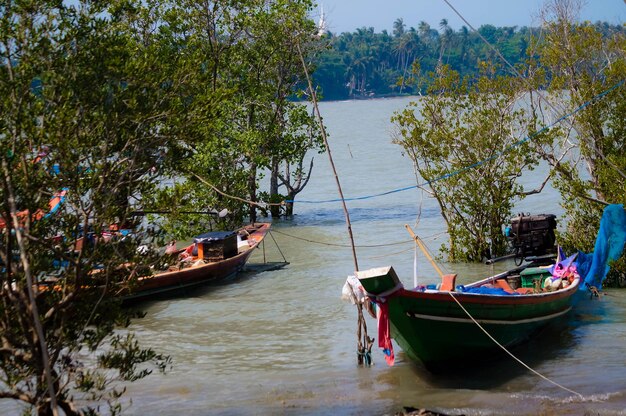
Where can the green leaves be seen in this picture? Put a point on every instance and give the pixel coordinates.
(585, 60)
(129, 105)
(465, 141)
(84, 108)
(240, 71)
(468, 131)
(126, 355)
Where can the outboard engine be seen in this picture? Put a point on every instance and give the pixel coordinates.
(531, 235)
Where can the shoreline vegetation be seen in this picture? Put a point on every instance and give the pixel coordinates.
(130, 106)
(366, 64)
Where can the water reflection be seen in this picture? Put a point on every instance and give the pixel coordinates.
(486, 373)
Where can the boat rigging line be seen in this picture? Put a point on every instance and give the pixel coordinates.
(277, 246)
(422, 247)
(434, 236)
(236, 198)
(341, 245)
(386, 255)
(423, 184)
(330, 156)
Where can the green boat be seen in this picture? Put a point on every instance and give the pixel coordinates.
(452, 326)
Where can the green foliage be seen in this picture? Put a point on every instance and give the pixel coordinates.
(127, 354)
(246, 53)
(617, 274)
(584, 60)
(465, 140)
(83, 103)
(467, 120)
(126, 106)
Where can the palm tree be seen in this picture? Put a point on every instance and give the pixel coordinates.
(407, 49)
(400, 46)
(464, 37)
(398, 28)
(425, 35)
(446, 37)
(424, 29)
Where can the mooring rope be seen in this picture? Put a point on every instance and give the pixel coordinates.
(324, 243)
(511, 354)
(340, 245)
(236, 198)
(382, 256)
(364, 345)
(277, 246)
(424, 183)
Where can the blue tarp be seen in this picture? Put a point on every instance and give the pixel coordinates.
(482, 290)
(593, 267)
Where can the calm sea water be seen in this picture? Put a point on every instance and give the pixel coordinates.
(282, 342)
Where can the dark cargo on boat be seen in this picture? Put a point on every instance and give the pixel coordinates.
(532, 234)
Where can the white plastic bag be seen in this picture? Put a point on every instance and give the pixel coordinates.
(353, 288)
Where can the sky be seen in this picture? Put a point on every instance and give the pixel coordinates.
(348, 15)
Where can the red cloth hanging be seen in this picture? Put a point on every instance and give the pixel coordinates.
(384, 333)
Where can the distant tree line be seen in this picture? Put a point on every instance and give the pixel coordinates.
(364, 63)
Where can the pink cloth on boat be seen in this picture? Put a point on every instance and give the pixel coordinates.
(384, 333)
(565, 269)
(563, 272)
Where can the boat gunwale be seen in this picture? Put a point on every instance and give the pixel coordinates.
(529, 298)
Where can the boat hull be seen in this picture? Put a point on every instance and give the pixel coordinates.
(445, 330)
(167, 283)
(440, 334)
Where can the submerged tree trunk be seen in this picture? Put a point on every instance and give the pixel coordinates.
(289, 205)
(274, 209)
(252, 189)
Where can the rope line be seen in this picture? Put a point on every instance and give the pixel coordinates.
(278, 247)
(382, 256)
(511, 354)
(434, 257)
(236, 198)
(479, 163)
(348, 245)
(493, 48)
(358, 198)
(340, 245)
(421, 185)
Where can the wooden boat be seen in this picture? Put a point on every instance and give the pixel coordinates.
(446, 327)
(205, 261)
(53, 206)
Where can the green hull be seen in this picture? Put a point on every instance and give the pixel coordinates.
(432, 328)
